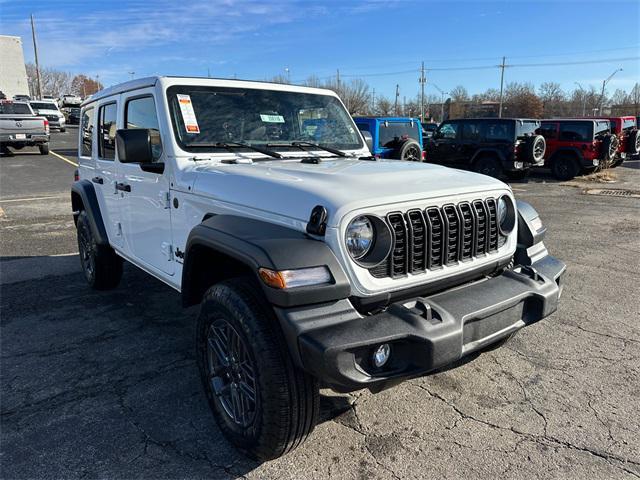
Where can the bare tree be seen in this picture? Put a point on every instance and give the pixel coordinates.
(85, 86)
(553, 99)
(459, 94)
(384, 106)
(54, 82)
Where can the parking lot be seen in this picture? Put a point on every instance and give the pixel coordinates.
(104, 384)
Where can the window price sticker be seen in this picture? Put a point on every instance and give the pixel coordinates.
(188, 115)
(271, 118)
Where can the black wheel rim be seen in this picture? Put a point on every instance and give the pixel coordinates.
(231, 373)
(87, 253)
(412, 154)
(563, 169)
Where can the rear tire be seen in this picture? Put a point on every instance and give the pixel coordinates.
(565, 167)
(44, 148)
(101, 266)
(283, 409)
(62, 130)
(488, 166)
(633, 142)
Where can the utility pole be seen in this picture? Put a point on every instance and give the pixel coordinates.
(373, 102)
(423, 81)
(338, 80)
(502, 66)
(404, 105)
(286, 69)
(35, 52)
(397, 95)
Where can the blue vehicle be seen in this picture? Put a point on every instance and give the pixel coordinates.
(399, 138)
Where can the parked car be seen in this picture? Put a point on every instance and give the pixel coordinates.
(73, 118)
(577, 145)
(20, 127)
(491, 146)
(69, 100)
(626, 129)
(428, 129)
(21, 98)
(397, 138)
(312, 264)
(49, 110)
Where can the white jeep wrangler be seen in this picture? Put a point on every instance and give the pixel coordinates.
(313, 262)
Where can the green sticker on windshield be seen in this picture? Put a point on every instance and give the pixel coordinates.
(272, 118)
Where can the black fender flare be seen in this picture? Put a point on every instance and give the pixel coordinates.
(568, 150)
(87, 193)
(257, 244)
(491, 151)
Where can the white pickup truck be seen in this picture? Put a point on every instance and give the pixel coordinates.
(20, 127)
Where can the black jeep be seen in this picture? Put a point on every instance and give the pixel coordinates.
(491, 146)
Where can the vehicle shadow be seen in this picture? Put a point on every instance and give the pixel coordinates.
(112, 371)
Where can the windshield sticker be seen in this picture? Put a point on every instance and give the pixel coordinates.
(272, 118)
(188, 115)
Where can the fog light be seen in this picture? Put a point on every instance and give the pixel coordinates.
(381, 355)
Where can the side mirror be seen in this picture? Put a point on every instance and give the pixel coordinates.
(138, 145)
(368, 139)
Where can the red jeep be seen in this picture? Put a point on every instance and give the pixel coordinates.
(577, 145)
(628, 135)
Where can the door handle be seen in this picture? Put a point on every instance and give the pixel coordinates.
(99, 180)
(123, 187)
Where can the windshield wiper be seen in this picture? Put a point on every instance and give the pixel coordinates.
(232, 145)
(335, 151)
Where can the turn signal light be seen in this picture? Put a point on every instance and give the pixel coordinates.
(302, 277)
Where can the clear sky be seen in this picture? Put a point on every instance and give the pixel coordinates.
(383, 41)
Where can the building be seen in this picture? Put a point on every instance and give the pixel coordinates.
(13, 74)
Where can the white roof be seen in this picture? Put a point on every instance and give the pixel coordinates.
(166, 81)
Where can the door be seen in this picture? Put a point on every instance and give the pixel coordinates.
(470, 139)
(146, 193)
(443, 146)
(104, 175)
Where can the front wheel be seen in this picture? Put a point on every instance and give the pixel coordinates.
(262, 402)
(44, 148)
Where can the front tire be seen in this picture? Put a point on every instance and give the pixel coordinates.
(101, 266)
(265, 409)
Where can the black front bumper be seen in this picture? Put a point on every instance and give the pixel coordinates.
(335, 343)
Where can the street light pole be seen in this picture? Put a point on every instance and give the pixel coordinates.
(35, 53)
(604, 84)
(502, 65)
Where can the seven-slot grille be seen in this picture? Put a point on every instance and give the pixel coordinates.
(428, 239)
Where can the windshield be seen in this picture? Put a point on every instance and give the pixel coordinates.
(43, 106)
(15, 109)
(526, 127)
(204, 116)
(391, 132)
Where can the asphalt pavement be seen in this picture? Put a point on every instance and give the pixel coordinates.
(104, 384)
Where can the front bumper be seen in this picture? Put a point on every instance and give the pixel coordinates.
(334, 342)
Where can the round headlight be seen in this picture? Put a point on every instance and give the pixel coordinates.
(359, 236)
(506, 215)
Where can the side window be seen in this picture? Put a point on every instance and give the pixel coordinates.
(107, 131)
(87, 123)
(548, 130)
(498, 131)
(575, 132)
(471, 131)
(448, 130)
(141, 113)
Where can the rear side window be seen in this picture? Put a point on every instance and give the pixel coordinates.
(141, 113)
(628, 124)
(499, 131)
(107, 131)
(548, 130)
(87, 123)
(471, 131)
(575, 132)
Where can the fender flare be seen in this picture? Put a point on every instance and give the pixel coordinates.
(256, 244)
(87, 193)
(570, 150)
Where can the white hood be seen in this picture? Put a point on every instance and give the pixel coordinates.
(291, 188)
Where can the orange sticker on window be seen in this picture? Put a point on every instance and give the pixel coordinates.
(188, 114)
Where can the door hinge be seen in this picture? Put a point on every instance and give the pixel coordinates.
(165, 198)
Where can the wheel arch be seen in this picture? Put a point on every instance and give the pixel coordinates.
(487, 152)
(566, 151)
(83, 198)
(226, 246)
